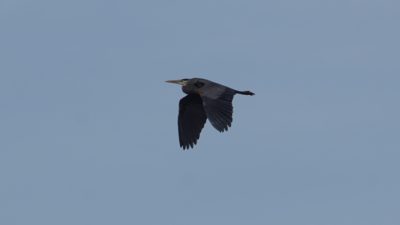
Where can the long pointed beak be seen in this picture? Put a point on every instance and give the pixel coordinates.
(174, 82)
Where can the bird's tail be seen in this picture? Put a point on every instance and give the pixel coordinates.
(245, 92)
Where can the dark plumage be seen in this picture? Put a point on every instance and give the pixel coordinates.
(204, 99)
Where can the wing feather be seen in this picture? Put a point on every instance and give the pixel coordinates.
(191, 120)
(218, 107)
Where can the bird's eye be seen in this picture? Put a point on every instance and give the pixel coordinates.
(199, 84)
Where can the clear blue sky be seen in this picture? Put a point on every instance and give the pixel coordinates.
(88, 126)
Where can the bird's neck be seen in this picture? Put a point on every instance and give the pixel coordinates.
(188, 90)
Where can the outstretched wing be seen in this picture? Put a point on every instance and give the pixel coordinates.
(191, 120)
(217, 103)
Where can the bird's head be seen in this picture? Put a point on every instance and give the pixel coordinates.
(182, 82)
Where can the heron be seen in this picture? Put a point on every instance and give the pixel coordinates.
(205, 99)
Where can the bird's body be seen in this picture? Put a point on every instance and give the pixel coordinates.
(204, 99)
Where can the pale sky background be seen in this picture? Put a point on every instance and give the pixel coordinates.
(88, 126)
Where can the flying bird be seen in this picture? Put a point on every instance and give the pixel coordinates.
(204, 99)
